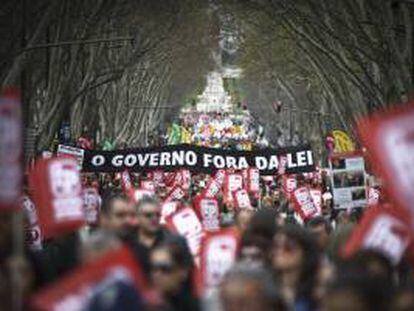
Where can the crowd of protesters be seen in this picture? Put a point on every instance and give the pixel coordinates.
(229, 130)
(283, 262)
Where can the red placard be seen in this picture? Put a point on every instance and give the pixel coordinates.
(186, 223)
(185, 179)
(389, 137)
(176, 194)
(126, 183)
(57, 194)
(242, 199)
(170, 178)
(33, 235)
(303, 203)
(282, 165)
(10, 150)
(384, 229)
(76, 290)
(316, 195)
(140, 193)
(157, 177)
(289, 184)
(253, 181)
(148, 185)
(208, 211)
(167, 209)
(91, 205)
(218, 254)
(233, 182)
(373, 196)
(215, 184)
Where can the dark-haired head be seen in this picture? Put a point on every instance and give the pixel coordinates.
(263, 222)
(321, 229)
(171, 267)
(358, 291)
(254, 249)
(250, 288)
(294, 250)
(368, 261)
(118, 215)
(108, 200)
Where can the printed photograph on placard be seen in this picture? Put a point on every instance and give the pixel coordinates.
(348, 179)
(358, 194)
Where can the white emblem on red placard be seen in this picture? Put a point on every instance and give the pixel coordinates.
(186, 223)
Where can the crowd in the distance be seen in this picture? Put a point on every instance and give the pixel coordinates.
(228, 130)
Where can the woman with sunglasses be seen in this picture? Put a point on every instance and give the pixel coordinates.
(295, 259)
(171, 266)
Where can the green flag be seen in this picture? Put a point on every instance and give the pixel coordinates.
(175, 134)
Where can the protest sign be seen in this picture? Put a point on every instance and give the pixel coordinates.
(215, 184)
(176, 194)
(253, 181)
(185, 179)
(303, 203)
(282, 164)
(32, 230)
(140, 193)
(388, 136)
(198, 159)
(373, 196)
(242, 199)
(113, 280)
(232, 183)
(186, 223)
(157, 177)
(69, 151)
(167, 209)
(208, 211)
(316, 195)
(386, 230)
(57, 195)
(91, 205)
(10, 150)
(343, 143)
(348, 179)
(218, 254)
(289, 184)
(148, 185)
(126, 182)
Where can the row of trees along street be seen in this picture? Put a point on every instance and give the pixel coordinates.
(327, 61)
(118, 67)
(122, 68)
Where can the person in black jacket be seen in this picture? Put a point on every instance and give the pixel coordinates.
(118, 217)
(150, 231)
(171, 267)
